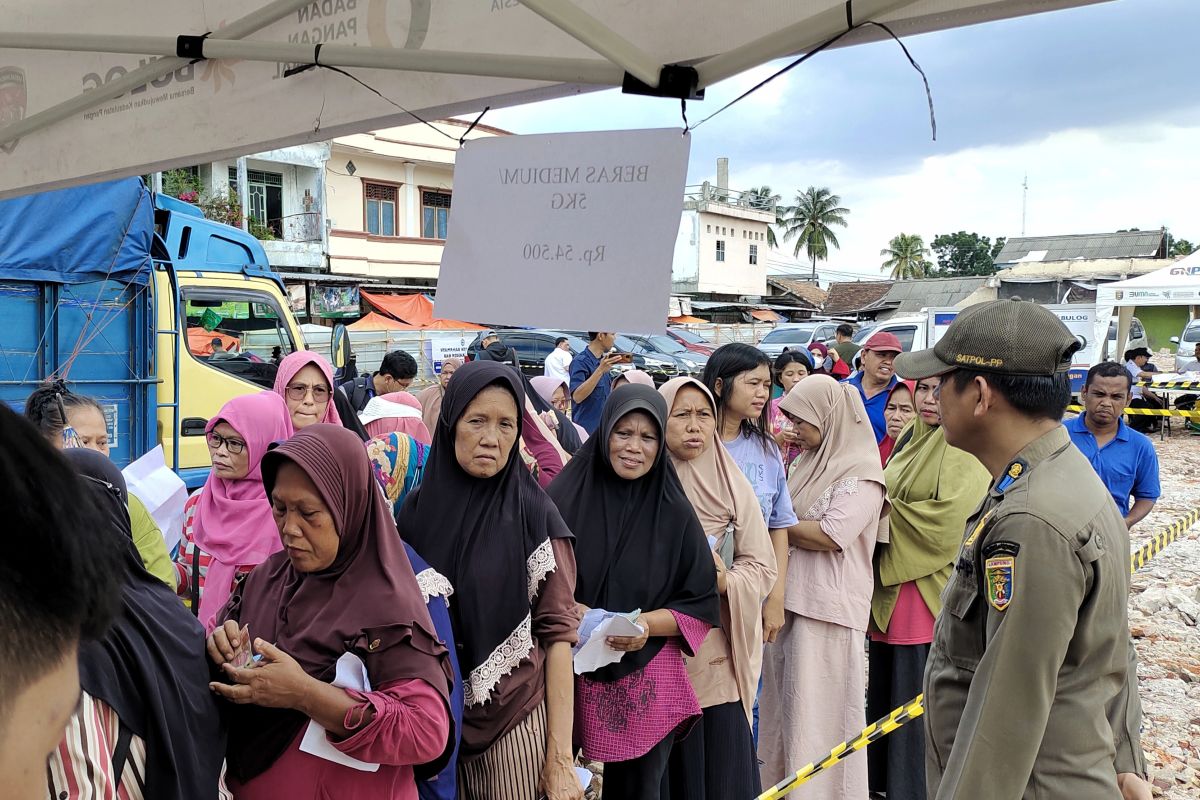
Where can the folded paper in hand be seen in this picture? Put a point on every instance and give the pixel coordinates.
(351, 674)
(593, 651)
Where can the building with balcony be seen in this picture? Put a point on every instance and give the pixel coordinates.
(721, 247)
(390, 195)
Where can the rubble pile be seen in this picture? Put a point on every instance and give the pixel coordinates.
(1164, 607)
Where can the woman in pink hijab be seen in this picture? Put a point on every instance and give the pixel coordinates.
(397, 412)
(557, 394)
(634, 376)
(305, 382)
(228, 523)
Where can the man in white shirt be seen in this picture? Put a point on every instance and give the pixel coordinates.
(558, 363)
(1194, 364)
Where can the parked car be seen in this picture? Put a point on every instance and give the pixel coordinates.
(692, 341)
(533, 346)
(1137, 338)
(1186, 342)
(796, 336)
(660, 344)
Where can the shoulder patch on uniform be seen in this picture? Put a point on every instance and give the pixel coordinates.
(1001, 547)
(998, 574)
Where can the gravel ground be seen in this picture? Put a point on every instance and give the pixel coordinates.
(1163, 610)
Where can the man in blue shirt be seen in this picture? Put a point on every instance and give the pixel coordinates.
(591, 383)
(876, 378)
(1124, 458)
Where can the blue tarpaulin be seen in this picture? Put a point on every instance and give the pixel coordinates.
(78, 235)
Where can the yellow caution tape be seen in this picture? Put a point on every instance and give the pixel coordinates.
(1163, 538)
(916, 707)
(1150, 412)
(1171, 385)
(872, 733)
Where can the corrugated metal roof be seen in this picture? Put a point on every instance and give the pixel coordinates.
(913, 295)
(1127, 244)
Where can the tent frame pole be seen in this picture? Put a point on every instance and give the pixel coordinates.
(570, 18)
(793, 39)
(565, 70)
(251, 23)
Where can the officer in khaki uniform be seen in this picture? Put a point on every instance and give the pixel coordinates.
(1030, 687)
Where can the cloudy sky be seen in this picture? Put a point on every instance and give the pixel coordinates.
(1099, 106)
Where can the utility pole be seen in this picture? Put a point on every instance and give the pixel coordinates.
(1024, 201)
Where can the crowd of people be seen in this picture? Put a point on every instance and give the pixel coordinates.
(377, 595)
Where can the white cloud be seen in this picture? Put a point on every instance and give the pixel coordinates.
(1080, 181)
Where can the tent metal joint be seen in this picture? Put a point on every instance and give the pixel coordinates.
(674, 81)
(191, 47)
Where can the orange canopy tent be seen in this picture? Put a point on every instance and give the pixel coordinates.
(767, 315)
(415, 310)
(378, 322)
(686, 319)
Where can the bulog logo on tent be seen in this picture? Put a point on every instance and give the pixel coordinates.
(12, 101)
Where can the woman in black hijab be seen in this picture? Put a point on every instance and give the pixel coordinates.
(639, 547)
(480, 519)
(150, 671)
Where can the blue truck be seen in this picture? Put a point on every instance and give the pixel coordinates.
(127, 296)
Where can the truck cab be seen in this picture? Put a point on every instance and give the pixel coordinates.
(141, 302)
(229, 318)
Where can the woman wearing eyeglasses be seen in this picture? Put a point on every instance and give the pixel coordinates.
(228, 528)
(305, 382)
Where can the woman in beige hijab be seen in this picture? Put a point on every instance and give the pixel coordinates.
(431, 398)
(813, 674)
(717, 757)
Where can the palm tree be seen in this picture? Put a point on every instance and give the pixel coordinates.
(809, 221)
(907, 257)
(764, 199)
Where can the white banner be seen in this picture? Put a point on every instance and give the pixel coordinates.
(569, 230)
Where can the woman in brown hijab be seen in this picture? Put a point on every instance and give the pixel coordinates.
(340, 595)
(717, 757)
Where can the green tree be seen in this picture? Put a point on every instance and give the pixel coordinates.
(1181, 247)
(810, 223)
(998, 246)
(764, 199)
(907, 257)
(961, 254)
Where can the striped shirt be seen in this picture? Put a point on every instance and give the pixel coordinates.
(81, 768)
(190, 558)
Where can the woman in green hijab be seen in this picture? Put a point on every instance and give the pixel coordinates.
(933, 488)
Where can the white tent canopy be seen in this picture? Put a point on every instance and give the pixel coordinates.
(1175, 285)
(107, 89)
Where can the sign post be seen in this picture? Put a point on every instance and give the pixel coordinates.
(567, 230)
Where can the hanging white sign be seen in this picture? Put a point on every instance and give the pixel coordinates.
(572, 231)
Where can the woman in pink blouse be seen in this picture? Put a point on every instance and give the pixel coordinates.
(341, 599)
(639, 549)
(813, 684)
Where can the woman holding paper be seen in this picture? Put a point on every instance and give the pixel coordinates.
(70, 420)
(640, 548)
(718, 756)
(480, 519)
(340, 600)
(813, 672)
